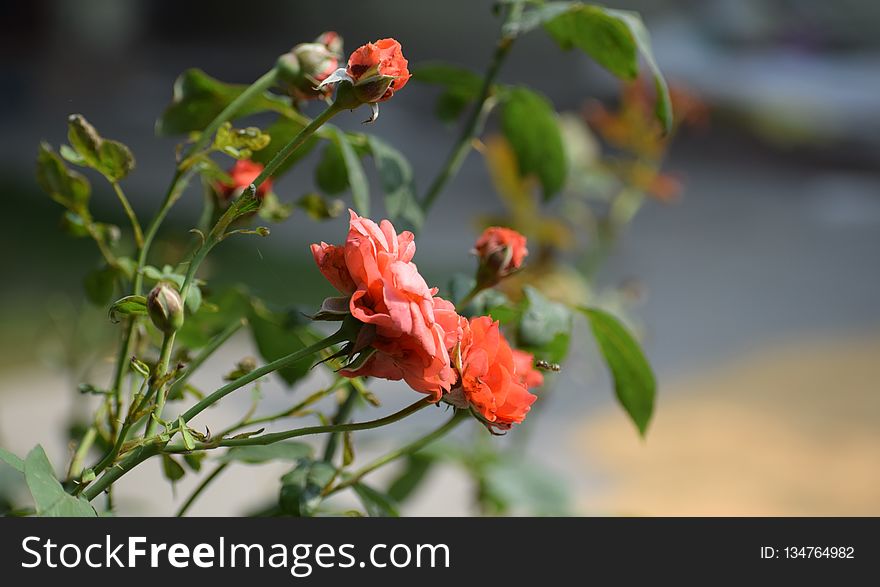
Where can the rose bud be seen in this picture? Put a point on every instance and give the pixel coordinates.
(165, 308)
(242, 175)
(305, 66)
(375, 71)
(501, 252)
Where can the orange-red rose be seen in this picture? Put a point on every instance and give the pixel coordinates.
(413, 328)
(501, 251)
(492, 379)
(242, 175)
(378, 70)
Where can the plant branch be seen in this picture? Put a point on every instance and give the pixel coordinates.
(198, 490)
(132, 217)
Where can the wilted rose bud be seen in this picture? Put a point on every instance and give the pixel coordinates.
(243, 174)
(165, 308)
(308, 64)
(501, 251)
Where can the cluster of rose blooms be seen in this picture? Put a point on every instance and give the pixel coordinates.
(408, 332)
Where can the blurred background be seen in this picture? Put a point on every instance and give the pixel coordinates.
(757, 281)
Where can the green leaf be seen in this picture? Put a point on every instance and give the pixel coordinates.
(614, 38)
(67, 187)
(530, 125)
(545, 326)
(240, 142)
(320, 208)
(301, 488)
(198, 98)
(258, 454)
(188, 441)
(377, 504)
(634, 381)
(523, 486)
(194, 460)
(331, 175)
(99, 285)
(282, 132)
(414, 472)
(172, 469)
(396, 177)
(277, 335)
(357, 179)
(111, 158)
(49, 496)
(460, 79)
(274, 210)
(11, 460)
(128, 306)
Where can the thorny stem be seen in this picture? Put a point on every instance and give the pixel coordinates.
(159, 385)
(143, 452)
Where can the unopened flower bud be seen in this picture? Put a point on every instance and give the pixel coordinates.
(165, 308)
(305, 66)
(501, 252)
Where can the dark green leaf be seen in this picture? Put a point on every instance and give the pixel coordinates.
(99, 285)
(524, 487)
(278, 335)
(634, 381)
(320, 208)
(198, 99)
(49, 496)
(530, 125)
(65, 186)
(301, 488)
(614, 38)
(357, 179)
(378, 505)
(116, 160)
(396, 177)
(74, 225)
(11, 460)
(331, 174)
(258, 454)
(84, 139)
(194, 460)
(172, 469)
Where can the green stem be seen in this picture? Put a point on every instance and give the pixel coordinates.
(473, 126)
(82, 451)
(262, 84)
(144, 452)
(318, 395)
(198, 491)
(204, 354)
(341, 416)
(158, 384)
(274, 437)
(415, 446)
(132, 217)
(211, 399)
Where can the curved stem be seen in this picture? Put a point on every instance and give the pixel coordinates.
(473, 126)
(144, 452)
(82, 451)
(274, 437)
(132, 217)
(198, 490)
(408, 449)
(209, 400)
(204, 354)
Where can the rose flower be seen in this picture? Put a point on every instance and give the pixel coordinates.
(501, 252)
(410, 328)
(493, 379)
